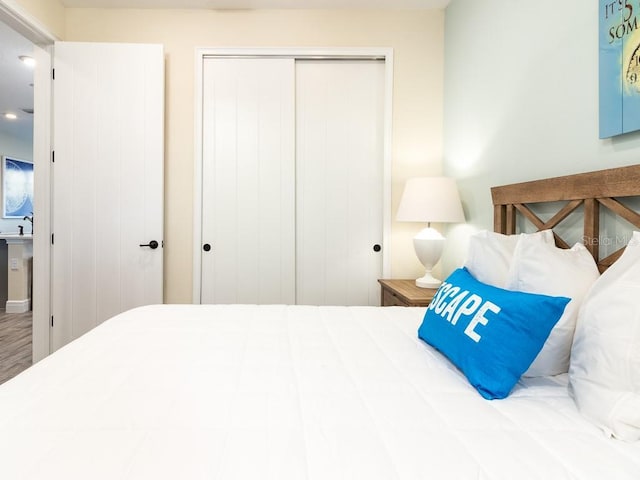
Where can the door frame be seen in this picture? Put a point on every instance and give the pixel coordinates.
(31, 28)
(302, 53)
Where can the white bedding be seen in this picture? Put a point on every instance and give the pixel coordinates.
(275, 392)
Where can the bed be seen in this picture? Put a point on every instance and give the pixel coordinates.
(299, 392)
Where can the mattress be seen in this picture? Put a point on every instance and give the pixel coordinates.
(285, 392)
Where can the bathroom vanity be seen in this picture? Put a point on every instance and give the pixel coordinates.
(18, 256)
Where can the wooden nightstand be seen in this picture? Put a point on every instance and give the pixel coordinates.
(404, 293)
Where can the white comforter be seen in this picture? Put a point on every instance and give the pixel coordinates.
(275, 392)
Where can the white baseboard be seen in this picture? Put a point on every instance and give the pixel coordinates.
(18, 306)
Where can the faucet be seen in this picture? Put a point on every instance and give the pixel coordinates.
(29, 219)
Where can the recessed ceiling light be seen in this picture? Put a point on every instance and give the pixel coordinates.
(27, 60)
(10, 116)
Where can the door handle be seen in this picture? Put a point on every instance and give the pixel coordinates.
(377, 248)
(152, 244)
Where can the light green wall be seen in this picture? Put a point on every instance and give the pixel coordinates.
(14, 146)
(521, 101)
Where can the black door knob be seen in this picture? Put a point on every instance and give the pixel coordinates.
(152, 244)
(377, 248)
(206, 247)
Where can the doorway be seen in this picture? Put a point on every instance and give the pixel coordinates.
(323, 250)
(40, 40)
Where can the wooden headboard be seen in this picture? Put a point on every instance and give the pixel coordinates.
(593, 190)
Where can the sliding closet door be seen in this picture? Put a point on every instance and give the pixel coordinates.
(339, 168)
(248, 200)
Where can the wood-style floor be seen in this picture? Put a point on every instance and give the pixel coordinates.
(15, 344)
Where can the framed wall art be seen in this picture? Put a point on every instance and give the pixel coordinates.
(619, 68)
(17, 187)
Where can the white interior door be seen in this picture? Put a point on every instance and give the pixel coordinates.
(339, 170)
(248, 191)
(107, 183)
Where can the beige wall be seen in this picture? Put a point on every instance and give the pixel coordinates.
(50, 13)
(415, 36)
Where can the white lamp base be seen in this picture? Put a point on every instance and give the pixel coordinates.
(428, 281)
(428, 244)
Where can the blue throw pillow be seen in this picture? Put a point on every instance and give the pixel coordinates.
(492, 335)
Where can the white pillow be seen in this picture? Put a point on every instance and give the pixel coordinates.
(490, 254)
(604, 376)
(543, 268)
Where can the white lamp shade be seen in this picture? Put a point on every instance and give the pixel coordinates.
(430, 199)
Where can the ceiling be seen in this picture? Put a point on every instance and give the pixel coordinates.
(16, 79)
(258, 4)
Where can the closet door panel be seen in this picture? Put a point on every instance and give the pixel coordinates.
(339, 164)
(248, 181)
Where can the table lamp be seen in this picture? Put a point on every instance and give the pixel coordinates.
(430, 199)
